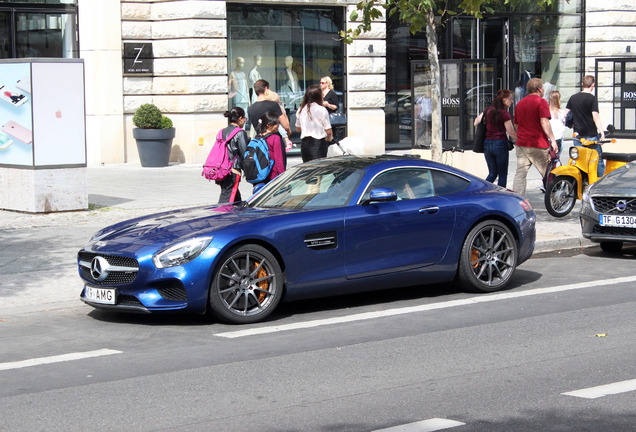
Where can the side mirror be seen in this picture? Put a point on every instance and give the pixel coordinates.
(381, 194)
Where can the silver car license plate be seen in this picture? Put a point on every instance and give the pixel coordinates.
(101, 295)
(618, 221)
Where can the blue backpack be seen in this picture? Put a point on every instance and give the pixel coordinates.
(257, 163)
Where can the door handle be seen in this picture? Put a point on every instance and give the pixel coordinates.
(429, 209)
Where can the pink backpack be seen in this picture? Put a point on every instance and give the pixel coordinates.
(218, 164)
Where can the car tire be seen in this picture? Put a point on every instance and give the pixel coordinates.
(488, 258)
(247, 285)
(560, 196)
(611, 247)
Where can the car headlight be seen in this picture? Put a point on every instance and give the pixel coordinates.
(181, 253)
(574, 153)
(586, 194)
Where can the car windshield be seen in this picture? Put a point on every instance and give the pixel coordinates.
(309, 187)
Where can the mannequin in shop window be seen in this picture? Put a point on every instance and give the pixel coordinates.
(520, 88)
(288, 81)
(255, 75)
(238, 85)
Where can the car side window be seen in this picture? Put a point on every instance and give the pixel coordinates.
(408, 183)
(446, 183)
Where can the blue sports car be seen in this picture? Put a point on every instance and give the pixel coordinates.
(331, 226)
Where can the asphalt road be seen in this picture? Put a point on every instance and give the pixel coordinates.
(423, 358)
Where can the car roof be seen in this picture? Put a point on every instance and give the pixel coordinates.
(362, 161)
(377, 163)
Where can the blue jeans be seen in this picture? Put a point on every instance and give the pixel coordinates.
(496, 154)
(601, 163)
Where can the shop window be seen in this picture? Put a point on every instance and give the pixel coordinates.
(48, 28)
(523, 44)
(542, 46)
(5, 35)
(290, 47)
(45, 35)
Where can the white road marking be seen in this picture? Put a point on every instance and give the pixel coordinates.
(604, 390)
(422, 308)
(430, 425)
(57, 359)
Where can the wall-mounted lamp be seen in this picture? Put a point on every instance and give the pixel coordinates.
(371, 48)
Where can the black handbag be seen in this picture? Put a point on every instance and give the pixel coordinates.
(337, 118)
(480, 134)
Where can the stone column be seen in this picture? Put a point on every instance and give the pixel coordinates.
(366, 86)
(100, 47)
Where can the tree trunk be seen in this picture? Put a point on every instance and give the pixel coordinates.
(431, 39)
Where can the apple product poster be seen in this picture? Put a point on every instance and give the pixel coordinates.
(16, 122)
(58, 113)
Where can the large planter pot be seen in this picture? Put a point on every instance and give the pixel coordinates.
(154, 146)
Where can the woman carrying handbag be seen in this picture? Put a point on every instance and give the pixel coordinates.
(312, 121)
(496, 145)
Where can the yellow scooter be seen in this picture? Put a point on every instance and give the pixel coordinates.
(569, 181)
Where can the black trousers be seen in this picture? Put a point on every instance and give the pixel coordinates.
(227, 184)
(312, 148)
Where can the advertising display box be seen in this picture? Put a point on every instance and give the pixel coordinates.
(42, 135)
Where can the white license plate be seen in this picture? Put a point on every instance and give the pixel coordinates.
(618, 221)
(101, 295)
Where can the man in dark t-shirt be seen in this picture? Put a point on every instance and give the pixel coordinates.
(586, 119)
(261, 106)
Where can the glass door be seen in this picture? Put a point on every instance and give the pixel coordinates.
(451, 91)
(466, 86)
(479, 77)
(494, 44)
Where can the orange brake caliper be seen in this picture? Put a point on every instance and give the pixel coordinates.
(474, 258)
(264, 285)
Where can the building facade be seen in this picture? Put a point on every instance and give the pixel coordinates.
(197, 58)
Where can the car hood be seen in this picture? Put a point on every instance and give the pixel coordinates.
(161, 228)
(619, 182)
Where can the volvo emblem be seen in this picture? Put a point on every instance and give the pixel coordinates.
(621, 205)
(99, 268)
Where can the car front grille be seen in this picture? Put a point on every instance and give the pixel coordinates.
(115, 277)
(607, 205)
(616, 231)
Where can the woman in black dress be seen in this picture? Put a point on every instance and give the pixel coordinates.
(329, 97)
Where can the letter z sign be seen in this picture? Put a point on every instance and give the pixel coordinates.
(138, 58)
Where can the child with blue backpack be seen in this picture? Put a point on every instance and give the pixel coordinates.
(267, 129)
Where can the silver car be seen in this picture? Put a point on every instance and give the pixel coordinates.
(608, 210)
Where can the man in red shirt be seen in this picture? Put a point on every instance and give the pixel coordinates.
(534, 134)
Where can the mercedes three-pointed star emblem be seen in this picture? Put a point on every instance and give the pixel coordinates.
(99, 268)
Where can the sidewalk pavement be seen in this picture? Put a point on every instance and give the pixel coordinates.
(40, 275)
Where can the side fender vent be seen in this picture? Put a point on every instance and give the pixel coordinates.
(322, 241)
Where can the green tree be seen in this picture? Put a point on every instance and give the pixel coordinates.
(420, 14)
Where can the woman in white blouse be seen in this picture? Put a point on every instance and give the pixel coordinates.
(312, 121)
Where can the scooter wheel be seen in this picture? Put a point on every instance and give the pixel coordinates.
(560, 196)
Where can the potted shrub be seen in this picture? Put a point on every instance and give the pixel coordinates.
(154, 134)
